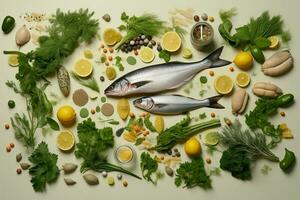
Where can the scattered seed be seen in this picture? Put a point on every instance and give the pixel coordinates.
(131, 114)
(282, 113)
(169, 171)
(208, 160)
(110, 49)
(107, 109)
(177, 154)
(136, 52)
(102, 46)
(69, 168)
(211, 73)
(125, 183)
(91, 179)
(106, 17)
(104, 174)
(119, 176)
(196, 18)
(204, 16)
(175, 150)
(6, 126)
(18, 157)
(110, 181)
(19, 171)
(227, 121)
(12, 145)
(213, 115)
(231, 69)
(102, 78)
(24, 166)
(69, 181)
(104, 50)
(107, 63)
(8, 148)
(211, 19)
(169, 152)
(93, 111)
(80, 97)
(110, 58)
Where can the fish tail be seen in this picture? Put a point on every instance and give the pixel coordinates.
(213, 102)
(215, 60)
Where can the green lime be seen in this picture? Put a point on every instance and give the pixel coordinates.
(84, 113)
(210, 138)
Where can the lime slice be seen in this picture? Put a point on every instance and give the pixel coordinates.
(210, 138)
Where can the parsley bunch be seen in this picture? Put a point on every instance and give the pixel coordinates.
(148, 166)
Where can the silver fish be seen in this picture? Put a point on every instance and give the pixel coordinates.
(174, 104)
(63, 79)
(161, 77)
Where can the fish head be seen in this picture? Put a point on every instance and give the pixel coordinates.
(119, 87)
(145, 103)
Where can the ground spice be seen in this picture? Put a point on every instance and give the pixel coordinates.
(80, 97)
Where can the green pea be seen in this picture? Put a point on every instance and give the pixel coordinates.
(11, 104)
(288, 161)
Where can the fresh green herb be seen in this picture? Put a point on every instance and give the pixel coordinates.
(254, 35)
(44, 169)
(203, 79)
(87, 82)
(192, 174)
(134, 122)
(131, 60)
(149, 124)
(103, 59)
(103, 99)
(215, 171)
(237, 162)
(98, 109)
(265, 107)
(119, 63)
(227, 14)
(202, 92)
(110, 121)
(265, 170)
(146, 24)
(180, 132)
(252, 143)
(163, 54)
(211, 149)
(84, 113)
(53, 124)
(148, 166)
(180, 31)
(286, 36)
(139, 141)
(92, 142)
(202, 115)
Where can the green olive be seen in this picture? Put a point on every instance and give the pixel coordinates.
(288, 161)
(11, 104)
(8, 24)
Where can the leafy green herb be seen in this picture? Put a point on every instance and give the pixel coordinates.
(202, 115)
(146, 24)
(98, 109)
(44, 169)
(227, 14)
(131, 60)
(180, 132)
(237, 162)
(149, 124)
(286, 36)
(163, 54)
(265, 107)
(180, 31)
(92, 143)
(110, 121)
(118, 63)
(87, 82)
(103, 99)
(215, 172)
(139, 141)
(192, 174)
(134, 122)
(265, 169)
(148, 166)
(53, 124)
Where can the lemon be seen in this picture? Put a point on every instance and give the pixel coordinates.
(192, 147)
(65, 140)
(274, 42)
(146, 54)
(223, 84)
(210, 138)
(243, 60)
(242, 79)
(13, 60)
(171, 41)
(111, 36)
(187, 53)
(83, 68)
(111, 73)
(66, 115)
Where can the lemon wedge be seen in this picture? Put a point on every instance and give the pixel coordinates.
(83, 68)
(274, 42)
(13, 60)
(147, 55)
(171, 41)
(223, 84)
(65, 140)
(111, 36)
(242, 79)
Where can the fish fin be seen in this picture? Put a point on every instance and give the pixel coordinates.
(213, 102)
(140, 84)
(215, 60)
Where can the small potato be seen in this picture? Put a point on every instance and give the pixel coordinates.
(266, 89)
(239, 101)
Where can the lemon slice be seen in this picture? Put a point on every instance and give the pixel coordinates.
(13, 60)
(65, 140)
(223, 84)
(243, 60)
(147, 54)
(274, 42)
(171, 41)
(111, 36)
(83, 68)
(111, 73)
(187, 53)
(242, 79)
(210, 138)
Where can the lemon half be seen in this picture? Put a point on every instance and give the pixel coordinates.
(65, 140)
(171, 41)
(242, 79)
(147, 54)
(83, 68)
(223, 84)
(111, 36)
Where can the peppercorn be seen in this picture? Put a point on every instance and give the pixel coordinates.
(6, 126)
(196, 18)
(102, 78)
(125, 183)
(19, 171)
(11, 104)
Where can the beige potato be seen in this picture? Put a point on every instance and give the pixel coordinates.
(266, 89)
(239, 101)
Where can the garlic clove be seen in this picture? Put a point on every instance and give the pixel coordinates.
(22, 36)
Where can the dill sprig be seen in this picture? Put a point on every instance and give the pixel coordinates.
(88, 82)
(253, 143)
(227, 14)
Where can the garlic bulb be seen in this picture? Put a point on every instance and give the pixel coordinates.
(22, 36)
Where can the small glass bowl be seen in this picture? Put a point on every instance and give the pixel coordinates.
(129, 161)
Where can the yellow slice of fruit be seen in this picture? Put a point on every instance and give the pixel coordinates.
(242, 79)
(243, 60)
(223, 84)
(65, 140)
(171, 41)
(111, 73)
(274, 42)
(192, 147)
(123, 108)
(111, 36)
(13, 60)
(159, 124)
(187, 53)
(83, 68)
(88, 54)
(147, 54)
